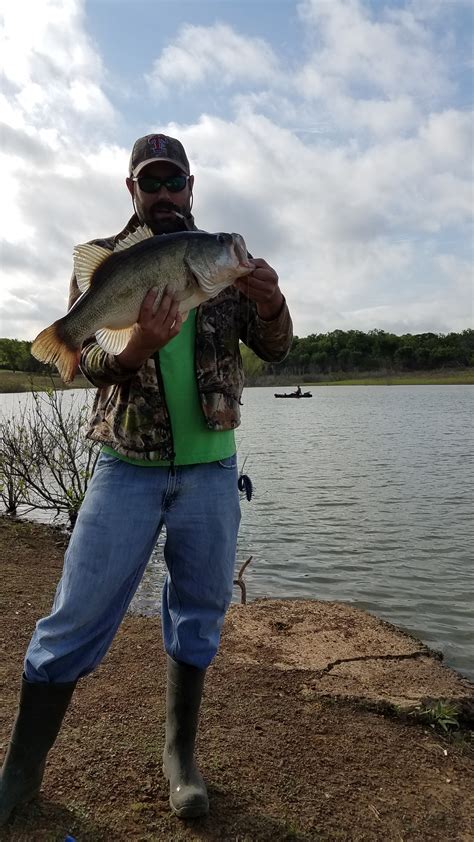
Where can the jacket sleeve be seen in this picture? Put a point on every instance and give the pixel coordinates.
(99, 367)
(270, 340)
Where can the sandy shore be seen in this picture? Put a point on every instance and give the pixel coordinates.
(307, 730)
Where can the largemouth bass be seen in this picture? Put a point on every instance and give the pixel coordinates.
(192, 265)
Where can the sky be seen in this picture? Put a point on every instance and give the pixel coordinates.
(334, 135)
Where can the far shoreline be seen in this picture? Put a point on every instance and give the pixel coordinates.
(22, 381)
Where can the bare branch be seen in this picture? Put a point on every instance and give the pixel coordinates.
(240, 582)
(45, 460)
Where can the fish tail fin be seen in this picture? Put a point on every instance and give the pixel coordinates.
(50, 346)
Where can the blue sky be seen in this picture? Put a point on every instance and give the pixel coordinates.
(335, 135)
(130, 35)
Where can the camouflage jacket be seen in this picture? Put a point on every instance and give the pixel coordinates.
(130, 413)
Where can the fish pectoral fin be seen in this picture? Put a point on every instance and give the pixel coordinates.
(181, 294)
(189, 300)
(134, 237)
(87, 258)
(114, 341)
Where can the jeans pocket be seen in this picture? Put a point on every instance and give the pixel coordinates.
(230, 463)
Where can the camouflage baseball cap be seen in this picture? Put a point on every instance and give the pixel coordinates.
(157, 147)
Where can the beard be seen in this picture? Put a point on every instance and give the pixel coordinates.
(164, 224)
(167, 226)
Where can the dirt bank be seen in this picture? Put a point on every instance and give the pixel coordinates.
(303, 735)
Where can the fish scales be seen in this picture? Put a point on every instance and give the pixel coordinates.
(120, 284)
(193, 266)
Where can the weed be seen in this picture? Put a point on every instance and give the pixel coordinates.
(440, 714)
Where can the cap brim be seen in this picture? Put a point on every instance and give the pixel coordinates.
(136, 170)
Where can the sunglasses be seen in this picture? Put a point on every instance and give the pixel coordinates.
(151, 184)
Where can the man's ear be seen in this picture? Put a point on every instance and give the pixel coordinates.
(130, 184)
(191, 182)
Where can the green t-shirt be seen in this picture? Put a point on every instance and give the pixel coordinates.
(194, 442)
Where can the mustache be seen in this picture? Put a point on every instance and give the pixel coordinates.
(166, 206)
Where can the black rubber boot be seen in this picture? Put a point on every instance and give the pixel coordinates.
(188, 793)
(41, 711)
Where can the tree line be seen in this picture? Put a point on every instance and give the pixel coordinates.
(323, 353)
(356, 351)
(15, 355)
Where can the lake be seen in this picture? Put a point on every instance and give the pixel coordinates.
(362, 495)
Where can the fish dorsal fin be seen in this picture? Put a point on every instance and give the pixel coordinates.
(134, 237)
(114, 341)
(88, 258)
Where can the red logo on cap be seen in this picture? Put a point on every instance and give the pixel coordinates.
(158, 144)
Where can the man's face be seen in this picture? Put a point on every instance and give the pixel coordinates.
(157, 209)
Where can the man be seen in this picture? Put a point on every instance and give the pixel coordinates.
(165, 412)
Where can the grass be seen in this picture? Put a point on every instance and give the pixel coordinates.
(24, 381)
(437, 377)
(440, 377)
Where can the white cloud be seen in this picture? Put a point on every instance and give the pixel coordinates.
(340, 225)
(381, 118)
(52, 69)
(48, 34)
(350, 175)
(390, 53)
(216, 53)
(448, 137)
(52, 110)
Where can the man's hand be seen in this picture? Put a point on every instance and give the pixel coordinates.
(154, 329)
(262, 287)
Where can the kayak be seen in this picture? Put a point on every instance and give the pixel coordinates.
(294, 395)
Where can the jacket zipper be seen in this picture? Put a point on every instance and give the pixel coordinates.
(196, 331)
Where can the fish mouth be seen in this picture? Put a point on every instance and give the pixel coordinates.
(240, 250)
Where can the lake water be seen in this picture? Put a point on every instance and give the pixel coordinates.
(363, 495)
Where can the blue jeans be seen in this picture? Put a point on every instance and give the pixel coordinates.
(119, 523)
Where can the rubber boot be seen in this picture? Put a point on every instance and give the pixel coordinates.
(188, 793)
(40, 713)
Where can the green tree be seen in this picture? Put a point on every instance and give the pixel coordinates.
(253, 365)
